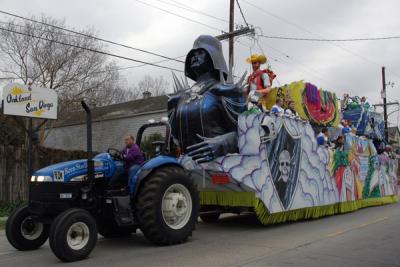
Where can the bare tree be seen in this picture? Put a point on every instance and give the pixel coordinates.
(75, 73)
(156, 86)
(71, 71)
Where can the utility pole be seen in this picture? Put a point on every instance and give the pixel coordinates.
(231, 28)
(387, 104)
(384, 104)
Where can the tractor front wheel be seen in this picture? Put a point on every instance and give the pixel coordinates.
(73, 235)
(24, 231)
(167, 206)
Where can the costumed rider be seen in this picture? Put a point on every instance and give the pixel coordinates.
(203, 118)
(259, 82)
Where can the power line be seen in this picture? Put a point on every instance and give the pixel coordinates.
(102, 71)
(89, 36)
(24, 27)
(190, 9)
(241, 12)
(314, 34)
(300, 66)
(180, 16)
(90, 49)
(331, 40)
(141, 65)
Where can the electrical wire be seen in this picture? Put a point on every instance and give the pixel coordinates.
(24, 27)
(314, 34)
(177, 15)
(97, 72)
(141, 65)
(298, 65)
(331, 40)
(88, 36)
(190, 9)
(90, 49)
(241, 12)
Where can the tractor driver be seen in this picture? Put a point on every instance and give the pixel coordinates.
(133, 157)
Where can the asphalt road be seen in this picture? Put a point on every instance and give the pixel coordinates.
(368, 237)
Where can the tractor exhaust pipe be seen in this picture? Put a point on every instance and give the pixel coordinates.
(90, 163)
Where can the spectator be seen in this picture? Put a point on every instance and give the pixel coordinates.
(346, 128)
(365, 102)
(291, 111)
(277, 108)
(323, 137)
(339, 143)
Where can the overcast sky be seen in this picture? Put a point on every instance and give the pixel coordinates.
(340, 67)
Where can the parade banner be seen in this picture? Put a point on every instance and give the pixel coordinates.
(29, 101)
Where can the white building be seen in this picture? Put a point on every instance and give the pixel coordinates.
(110, 124)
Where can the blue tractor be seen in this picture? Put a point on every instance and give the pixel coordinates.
(71, 202)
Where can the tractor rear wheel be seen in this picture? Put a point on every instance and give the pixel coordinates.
(167, 206)
(24, 231)
(73, 235)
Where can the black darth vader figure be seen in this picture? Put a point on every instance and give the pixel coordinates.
(203, 117)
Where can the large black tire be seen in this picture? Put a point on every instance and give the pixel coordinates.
(158, 186)
(210, 217)
(73, 235)
(24, 232)
(110, 229)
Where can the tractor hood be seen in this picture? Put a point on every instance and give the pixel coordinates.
(75, 170)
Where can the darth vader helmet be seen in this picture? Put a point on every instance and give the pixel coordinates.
(212, 46)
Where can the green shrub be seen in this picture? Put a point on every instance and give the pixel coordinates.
(6, 207)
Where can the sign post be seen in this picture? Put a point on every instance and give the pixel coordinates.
(32, 102)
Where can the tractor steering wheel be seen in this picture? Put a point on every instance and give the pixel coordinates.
(115, 154)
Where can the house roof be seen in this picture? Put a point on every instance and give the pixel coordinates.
(115, 111)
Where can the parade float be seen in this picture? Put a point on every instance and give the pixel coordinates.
(224, 151)
(270, 163)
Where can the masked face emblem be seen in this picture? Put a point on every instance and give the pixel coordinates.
(284, 165)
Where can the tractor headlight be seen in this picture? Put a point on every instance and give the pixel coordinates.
(41, 178)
